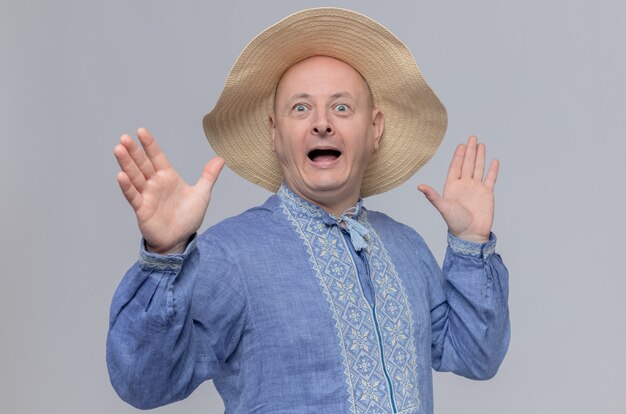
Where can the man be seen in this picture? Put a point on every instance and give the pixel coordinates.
(310, 303)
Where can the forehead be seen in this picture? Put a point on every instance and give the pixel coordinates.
(321, 74)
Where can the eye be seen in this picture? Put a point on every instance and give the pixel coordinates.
(342, 108)
(299, 108)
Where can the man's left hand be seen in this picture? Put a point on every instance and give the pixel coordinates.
(467, 204)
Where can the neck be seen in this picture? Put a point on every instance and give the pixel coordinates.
(332, 203)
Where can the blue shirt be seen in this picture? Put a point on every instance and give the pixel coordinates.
(289, 309)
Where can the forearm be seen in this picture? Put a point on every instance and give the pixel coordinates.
(471, 327)
(151, 350)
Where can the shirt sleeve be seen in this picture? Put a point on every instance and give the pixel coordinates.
(469, 310)
(174, 319)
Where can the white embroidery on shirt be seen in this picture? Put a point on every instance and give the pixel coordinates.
(336, 273)
(460, 246)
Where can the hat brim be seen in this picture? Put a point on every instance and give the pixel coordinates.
(238, 127)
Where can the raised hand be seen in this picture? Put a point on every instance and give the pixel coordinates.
(168, 210)
(467, 204)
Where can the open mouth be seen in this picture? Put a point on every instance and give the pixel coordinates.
(321, 155)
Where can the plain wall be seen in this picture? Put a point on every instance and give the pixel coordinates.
(540, 82)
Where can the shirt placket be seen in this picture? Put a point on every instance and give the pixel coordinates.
(362, 270)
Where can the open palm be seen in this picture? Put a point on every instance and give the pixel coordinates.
(467, 204)
(168, 210)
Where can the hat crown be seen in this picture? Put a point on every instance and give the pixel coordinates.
(415, 120)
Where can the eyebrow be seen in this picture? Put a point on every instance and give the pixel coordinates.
(342, 95)
(333, 96)
(299, 96)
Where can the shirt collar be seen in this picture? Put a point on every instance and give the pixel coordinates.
(349, 219)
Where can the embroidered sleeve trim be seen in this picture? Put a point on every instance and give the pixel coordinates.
(160, 262)
(468, 248)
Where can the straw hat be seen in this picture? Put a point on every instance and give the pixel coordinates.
(415, 120)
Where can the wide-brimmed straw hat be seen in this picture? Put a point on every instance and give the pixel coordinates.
(238, 127)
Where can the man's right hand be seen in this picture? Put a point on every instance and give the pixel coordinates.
(168, 210)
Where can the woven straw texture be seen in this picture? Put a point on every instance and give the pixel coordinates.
(238, 127)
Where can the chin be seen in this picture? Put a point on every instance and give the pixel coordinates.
(333, 191)
(327, 184)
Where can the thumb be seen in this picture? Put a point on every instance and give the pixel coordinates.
(209, 175)
(432, 195)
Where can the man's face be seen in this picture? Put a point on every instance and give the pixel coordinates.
(325, 130)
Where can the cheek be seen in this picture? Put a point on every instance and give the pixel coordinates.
(286, 151)
(290, 139)
(363, 147)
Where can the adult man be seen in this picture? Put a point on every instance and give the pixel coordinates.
(309, 303)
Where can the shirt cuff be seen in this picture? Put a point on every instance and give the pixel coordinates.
(473, 249)
(163, 262)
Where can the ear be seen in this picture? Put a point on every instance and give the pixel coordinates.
(378, 125)
(272, 131)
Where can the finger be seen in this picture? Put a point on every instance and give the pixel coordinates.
(130, 192)
(138, 155)
(454, 171)
(433, 196)
(470, 158)
(492, 174)
(209, 175)
(127, 164)
(153, 151)
(479, 168)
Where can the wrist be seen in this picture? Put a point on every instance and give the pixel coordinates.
(474, 238)
(177, 248)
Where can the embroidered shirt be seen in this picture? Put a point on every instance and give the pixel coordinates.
(289, 309)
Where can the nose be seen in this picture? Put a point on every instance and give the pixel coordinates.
(321, 126)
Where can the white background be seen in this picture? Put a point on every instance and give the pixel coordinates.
(541, 82)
